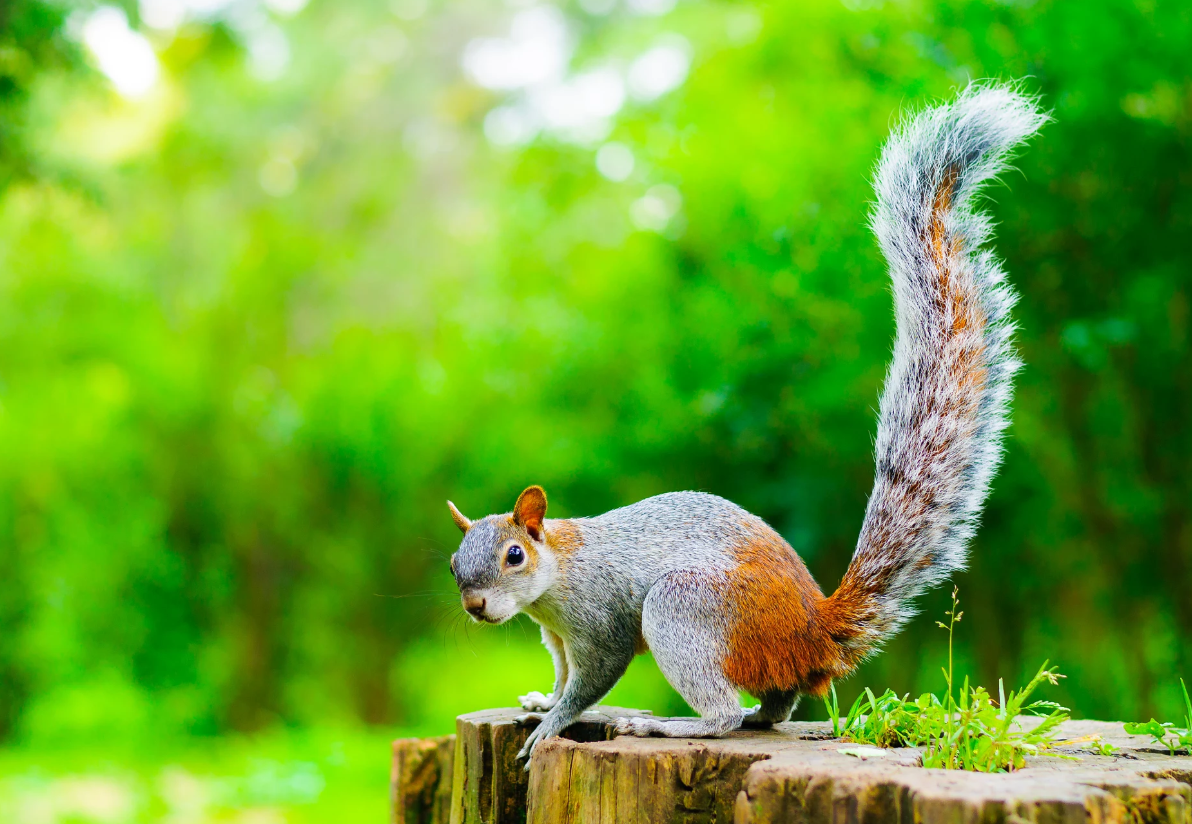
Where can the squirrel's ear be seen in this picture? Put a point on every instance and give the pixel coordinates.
(463, 523)
(529, 511)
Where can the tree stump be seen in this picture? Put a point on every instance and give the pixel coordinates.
(420, 781)
(793, 773)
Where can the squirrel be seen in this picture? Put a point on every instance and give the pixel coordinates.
(719, 598)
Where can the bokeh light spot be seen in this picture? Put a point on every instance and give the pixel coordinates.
(654, 210)
(615, 161)
(123, 55)
(536, 51)
(660, 69)
(163, 15)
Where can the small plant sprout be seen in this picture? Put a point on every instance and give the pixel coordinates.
(1100, 746)
(832, 705)
(1167, 734)
(953, 617)
(965, 730)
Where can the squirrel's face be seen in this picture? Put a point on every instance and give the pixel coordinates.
(504, 564)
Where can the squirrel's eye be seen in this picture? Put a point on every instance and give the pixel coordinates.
(515, 555)
(452, 564)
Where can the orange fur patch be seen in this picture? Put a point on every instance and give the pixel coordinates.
(960, 305)
(776, 641)
(957, 300)
(640, 647)
(563, 536)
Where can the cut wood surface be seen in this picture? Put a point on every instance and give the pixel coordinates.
(793, 773)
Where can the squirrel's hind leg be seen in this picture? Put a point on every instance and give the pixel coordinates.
(683, 621)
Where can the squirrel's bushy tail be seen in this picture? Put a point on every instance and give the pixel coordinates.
(948, 388)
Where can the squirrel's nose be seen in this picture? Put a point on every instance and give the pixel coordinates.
(474, 605)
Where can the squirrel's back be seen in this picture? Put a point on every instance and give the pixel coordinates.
(677, 530)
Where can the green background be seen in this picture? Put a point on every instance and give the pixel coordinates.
(229, 419)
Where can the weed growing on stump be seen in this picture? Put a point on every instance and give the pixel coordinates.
(1168, 734)
(964, 730)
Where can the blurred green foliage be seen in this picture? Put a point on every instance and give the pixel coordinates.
(295, 776)
(32, 40)
(254, 333)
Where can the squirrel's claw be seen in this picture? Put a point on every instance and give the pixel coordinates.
(532, 741)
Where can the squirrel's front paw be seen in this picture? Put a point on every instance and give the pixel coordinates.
(528, 718)
(536, 701)
(540, 734)
(640, 727)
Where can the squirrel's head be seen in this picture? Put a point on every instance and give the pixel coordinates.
(503, 564)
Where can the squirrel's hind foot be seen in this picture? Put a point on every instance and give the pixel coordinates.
(775, 708)
(756, 719)
(631, 726)
(678, 727)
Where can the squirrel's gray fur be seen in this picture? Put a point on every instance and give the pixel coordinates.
(722, 601)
